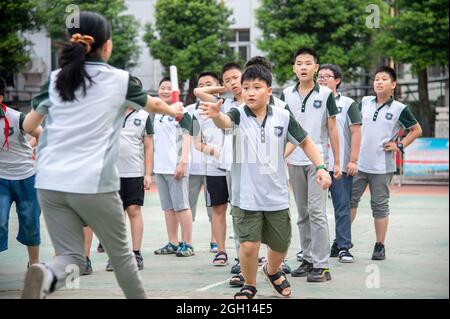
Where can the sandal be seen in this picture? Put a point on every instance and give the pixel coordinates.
(246, 291)
(237, 280)
(277, 289)
(219, 260)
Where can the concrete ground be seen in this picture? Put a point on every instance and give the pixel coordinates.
(417, 264)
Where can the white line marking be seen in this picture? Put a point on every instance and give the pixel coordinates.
(213, 285)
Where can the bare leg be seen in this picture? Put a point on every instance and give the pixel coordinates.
(354, 210)
(136, 225)
(88, 235)
(185, 219)
(249, 262)
(220, 225)
(274, 261)
(172, 226)
(381, 226)
(33, 254)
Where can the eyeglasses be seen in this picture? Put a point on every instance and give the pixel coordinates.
(325, 77)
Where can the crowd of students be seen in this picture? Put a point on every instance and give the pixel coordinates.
(105, 141)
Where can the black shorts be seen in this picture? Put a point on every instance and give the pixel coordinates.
(132, 191)
(216, 190)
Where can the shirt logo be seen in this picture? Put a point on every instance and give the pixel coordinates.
(137, 122)
(389, 116)
(278, 131)
(339, 109)
(317, 104)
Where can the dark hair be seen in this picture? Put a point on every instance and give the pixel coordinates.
(73, 74)
(388, 70)
(309, 51)
(229, 66)
(336, 69)
(259, 60)
(2, 87)
(208, 73)
(164, 79)
(255, 72)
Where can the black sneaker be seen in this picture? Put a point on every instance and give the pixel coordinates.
(236, 269)
(379, 253)
(285, 268)
(319, 275)
(345, 256)
(334, 252)
(303, 270)
(139, 261)
(88, 269)
(100, 248)
(300, 256)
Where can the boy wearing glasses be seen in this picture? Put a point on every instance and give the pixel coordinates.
(349, 129)
(314, 107)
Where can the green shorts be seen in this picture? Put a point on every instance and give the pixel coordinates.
(271, 228)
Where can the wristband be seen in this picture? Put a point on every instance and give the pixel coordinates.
(321, 167)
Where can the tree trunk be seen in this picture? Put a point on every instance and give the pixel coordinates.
(190, 97)
(424, 103)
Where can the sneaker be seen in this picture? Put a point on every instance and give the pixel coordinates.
(345, 256)
(88, 268)
(285, 268)
(37, 282)
(109, 266)
(167, 249)
(319, 275)
(100, 248)
(186, 251)
(303, 270)
(213, 247)
(379, 253)
(334, 249)
(236, 269)
(300, 255)
(139, 261)
(261, 261)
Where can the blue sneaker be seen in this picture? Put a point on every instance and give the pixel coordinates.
(214, 248)
(167, 249)
(186, 251)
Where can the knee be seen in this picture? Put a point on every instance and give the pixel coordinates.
(249, 248)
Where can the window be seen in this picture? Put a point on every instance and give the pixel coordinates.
(241, 43)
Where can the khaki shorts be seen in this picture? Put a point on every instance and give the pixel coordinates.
(271, 228)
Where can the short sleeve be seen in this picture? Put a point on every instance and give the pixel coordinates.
(185, 122)
(195, 127)
(41, 102)
(21, 119)
(354, 114)
(331, 106)
(234, 115)
(407, 119)
(296, 134)
(135, 94)
(149, 126)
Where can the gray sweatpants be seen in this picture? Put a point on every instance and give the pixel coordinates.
(195, 185)
(312, 216)
(65, 215)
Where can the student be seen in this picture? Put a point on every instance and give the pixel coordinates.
(77, 177)
(260, 201)
(382, 118)
(209, 139)
(197, 168)
(230, 75)
(314, 107)
(349, 128)
(17, 176)
(171, 147)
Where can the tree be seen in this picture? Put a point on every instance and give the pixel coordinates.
(193, 35)
(418, 34)
(337, 30)
(125, 27)
(16, 16)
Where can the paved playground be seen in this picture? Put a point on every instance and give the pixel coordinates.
(417, 264)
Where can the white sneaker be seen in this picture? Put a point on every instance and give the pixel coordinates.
(37, 282)
(345, 256)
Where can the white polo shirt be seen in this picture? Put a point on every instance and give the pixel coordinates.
(198, 162)
(168, 142)
(78, 148)
(381, 124)
(16, 162)
(211, 135)
(258, 171)
(136, 126)
(348, 115)
(312, 112)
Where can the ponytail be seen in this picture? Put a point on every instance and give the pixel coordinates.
(93, 32)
